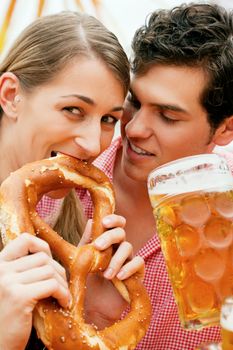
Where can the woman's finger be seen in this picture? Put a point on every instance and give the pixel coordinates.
(86, 237)
(41, 273)
(44, 289)
(24, 245)
(123, 253)
(136, 265)
(110, 237)
(32, 261)
(113, 220)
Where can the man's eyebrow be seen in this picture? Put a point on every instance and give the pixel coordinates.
(162, 106)
(91, 102)
(174, 108)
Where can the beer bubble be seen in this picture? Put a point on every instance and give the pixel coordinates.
(224, 204)
(165, 230)
(178, 274)
(194, 210)
(218, 232)
(209, 265)
(167, 214)
(226, 285)
(176, 269)
(187, 240)
(200, 296)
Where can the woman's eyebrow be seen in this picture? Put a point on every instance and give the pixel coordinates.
(81, 97)
(91, 102)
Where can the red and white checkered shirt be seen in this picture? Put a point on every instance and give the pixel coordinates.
(165, 332)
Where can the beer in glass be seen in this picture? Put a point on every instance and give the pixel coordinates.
(192, 200)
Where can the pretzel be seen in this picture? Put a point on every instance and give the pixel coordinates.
(59, 328)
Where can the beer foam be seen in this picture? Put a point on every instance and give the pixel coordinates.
(189, 174)
(226, 318)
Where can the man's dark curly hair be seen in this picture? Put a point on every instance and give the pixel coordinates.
(194, 35)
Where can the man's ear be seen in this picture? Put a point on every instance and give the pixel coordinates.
(9, 97)
(224, 133)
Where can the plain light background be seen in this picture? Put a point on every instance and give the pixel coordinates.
(123, 17)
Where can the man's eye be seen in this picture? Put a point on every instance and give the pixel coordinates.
(167, 118)
(109, 119)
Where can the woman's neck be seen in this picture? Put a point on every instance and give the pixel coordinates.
(8, 162)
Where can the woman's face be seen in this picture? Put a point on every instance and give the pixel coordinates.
(75, 113)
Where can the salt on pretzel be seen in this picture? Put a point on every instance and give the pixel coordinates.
(58, 328)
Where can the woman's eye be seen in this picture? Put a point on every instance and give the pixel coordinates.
(109, 119)
(73, 110)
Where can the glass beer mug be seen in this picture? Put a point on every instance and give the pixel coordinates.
(212, 346)
(192, 200)
(226, 323)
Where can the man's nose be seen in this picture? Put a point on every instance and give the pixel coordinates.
(139, 125)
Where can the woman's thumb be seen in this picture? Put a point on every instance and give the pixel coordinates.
(86, 237)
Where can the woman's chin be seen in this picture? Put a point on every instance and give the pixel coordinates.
(58, 193)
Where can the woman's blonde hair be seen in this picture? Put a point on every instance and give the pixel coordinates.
(42, 50)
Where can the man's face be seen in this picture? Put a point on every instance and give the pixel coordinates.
(164, 119)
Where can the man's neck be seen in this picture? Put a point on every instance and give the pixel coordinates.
(133, 203)
(136, 189)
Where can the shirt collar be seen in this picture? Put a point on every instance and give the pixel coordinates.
(151, 247)
(106, 160)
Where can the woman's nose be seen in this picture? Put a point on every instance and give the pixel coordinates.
(90, 141)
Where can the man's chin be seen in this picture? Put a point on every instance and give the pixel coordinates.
(58, 193)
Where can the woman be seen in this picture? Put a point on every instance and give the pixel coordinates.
(62, 88)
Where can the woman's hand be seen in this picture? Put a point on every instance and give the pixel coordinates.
(103, 303)
(122, 264)
(27, 274)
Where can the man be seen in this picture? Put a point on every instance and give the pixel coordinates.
(180, 104)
